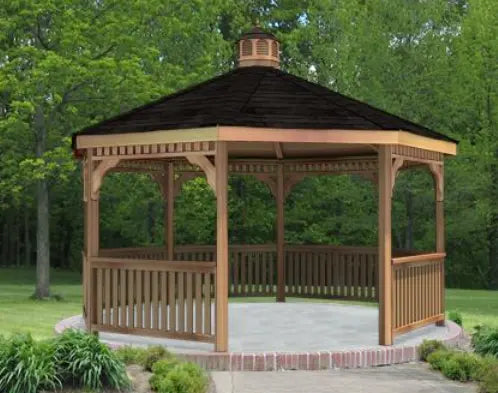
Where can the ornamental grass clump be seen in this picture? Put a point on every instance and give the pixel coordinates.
(84, 361)
(485, 340)
(27, 366)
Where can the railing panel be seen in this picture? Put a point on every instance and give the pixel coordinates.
(331, 272)
(311, 270)
(417, 291)
(153, 297)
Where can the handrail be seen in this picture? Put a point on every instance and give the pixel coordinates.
(431, 257)
(153, 264)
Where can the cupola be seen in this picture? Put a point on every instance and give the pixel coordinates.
(258, 48)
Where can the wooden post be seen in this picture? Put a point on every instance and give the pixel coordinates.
(170, 206)
(438, 174)
(221, 162)
(280, 234)
(91, 236)
(385, 268)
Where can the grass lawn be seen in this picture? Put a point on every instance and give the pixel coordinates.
(20, 313)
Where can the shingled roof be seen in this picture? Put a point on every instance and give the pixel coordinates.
(257, 97)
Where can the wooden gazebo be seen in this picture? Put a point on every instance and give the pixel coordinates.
(256, 120)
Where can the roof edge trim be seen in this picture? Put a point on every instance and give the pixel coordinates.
(203, 134)
(373, 137)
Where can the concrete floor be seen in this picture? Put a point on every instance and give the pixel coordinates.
(280, 327)
(405, 378)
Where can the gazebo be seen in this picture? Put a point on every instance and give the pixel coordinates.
(256, 120)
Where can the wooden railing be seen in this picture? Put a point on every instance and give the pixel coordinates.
(331, 271)
(153, 297)
(311, 270)
(417, 291)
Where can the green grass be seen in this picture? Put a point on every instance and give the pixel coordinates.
(476, 306)
(19, 313)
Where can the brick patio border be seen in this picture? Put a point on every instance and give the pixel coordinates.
(322, 360)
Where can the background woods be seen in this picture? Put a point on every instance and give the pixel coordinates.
(65, 64)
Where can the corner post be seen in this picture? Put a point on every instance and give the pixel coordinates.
(438, 175)
(91, 236)
(280, 199)
(221, 162)
(170, 210)
(385, 268)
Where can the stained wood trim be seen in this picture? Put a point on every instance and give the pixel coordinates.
(207, 166)
(99, 172)
(154, 333)
(370, 137)
(432, 257)
(221, 285)
(384, 233)
(204, 134)
(153, 264)
(416, 325)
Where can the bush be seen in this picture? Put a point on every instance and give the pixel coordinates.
(84, 360)
(462, 366)
(182, 378)
(27, 366)
(456, 317)
(153, 354)
(485, 340)
(437, 358)
(131, 355)
(429, 346)
(489, 381)
(160, 369)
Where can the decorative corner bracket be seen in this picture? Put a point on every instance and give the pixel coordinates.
(207, 166)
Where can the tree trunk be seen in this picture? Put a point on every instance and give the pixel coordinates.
(27, 240)
(42, 225)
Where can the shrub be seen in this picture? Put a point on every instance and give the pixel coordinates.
(462, 366)
(131, 355)
(489, 381)
(160, 369)
(183, 378)
(456, 317)
(485, 340)
(84, 360)
(153, 354)
(429, 346)
(437, 358)
(27, 366)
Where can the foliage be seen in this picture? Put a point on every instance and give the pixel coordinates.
(27, 366)
(85, 361)
(72, 65)
(462, 366)
(153, 354)
(489, 381)
(429, 346)
(465, 366)
(456, 317)
(160, 369)
(173, 377)
(485, 340)
(437, 358)
(131, 355)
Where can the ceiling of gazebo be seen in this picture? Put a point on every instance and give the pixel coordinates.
(257, 97)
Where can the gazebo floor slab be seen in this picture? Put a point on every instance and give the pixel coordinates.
(272, 336)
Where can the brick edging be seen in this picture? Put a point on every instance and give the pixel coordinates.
(321, 360)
